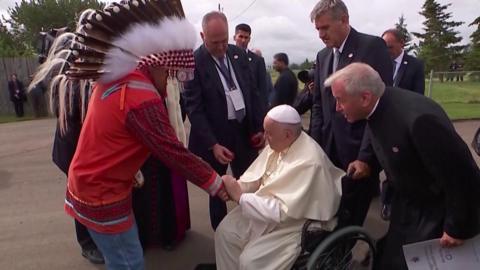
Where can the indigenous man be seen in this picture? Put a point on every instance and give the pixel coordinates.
(138, 53)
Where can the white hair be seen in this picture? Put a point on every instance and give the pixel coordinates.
(358, 77)
(336, 8)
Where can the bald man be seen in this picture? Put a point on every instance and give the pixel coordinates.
(221, 105)
(291, 181)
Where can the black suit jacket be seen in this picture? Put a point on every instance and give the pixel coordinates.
(344, 142)
(285, 88)
(206, 105)
(411, 75)
(436, 180)
(11, 90)
(259, 72)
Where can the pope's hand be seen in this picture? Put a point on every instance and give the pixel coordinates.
(233, 187)
(448, 241)
(222, 154)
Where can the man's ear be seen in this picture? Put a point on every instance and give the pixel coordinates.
(366, 97)
(202, 35)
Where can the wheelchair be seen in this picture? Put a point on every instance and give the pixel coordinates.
(323, 250)
(337, 249)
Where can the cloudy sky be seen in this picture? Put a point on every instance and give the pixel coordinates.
(284, 25)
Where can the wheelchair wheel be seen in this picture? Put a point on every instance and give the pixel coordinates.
(336, 252)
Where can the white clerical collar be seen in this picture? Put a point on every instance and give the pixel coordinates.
(373, 110)
(343, 43)
(399, 58)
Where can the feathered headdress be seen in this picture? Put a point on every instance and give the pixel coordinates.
(110, 43)
(133, 34)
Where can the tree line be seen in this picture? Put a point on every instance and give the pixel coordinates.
(438, 44)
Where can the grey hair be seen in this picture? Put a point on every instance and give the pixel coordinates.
(213, 15)
(358, 77)
(295, 128)
(336, 8)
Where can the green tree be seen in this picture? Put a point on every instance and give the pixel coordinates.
(437, 45)
(29, 18)
(472, 59)
(402, 27)
(7, 43)
(306, 64)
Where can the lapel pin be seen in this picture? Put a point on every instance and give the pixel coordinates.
(395, 149)
(235, 56)
(405, 62)
(350, 55)
(250, 59)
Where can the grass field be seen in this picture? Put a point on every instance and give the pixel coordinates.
(13, 118)
(461, 100)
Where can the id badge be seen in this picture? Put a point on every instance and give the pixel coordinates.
(237, 99)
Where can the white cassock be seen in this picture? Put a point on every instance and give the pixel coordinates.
(281, 191)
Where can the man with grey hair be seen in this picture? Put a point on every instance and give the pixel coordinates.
(436, 180)
(343, 141)
(292, 180)
(221, 105)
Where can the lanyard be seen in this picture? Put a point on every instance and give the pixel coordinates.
(227, 76)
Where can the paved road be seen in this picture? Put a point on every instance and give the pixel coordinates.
(36, 234)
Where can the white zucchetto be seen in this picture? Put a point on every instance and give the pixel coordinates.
(284, 114)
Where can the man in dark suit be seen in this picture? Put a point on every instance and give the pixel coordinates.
(257, 65)
(17, 94)
(345, 143)
(436, 180)
(226, 122)
(408, 74)
(286, 87)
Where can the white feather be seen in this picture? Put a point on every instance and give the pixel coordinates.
(145, 39)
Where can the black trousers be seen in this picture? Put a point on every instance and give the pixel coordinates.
(386, 193)
(244, 156)
(18, 108)
(83, 237)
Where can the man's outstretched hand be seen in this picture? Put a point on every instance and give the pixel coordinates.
(222, 194)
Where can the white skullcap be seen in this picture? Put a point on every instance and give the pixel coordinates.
(284, 114)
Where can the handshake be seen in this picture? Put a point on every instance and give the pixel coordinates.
(231, 189)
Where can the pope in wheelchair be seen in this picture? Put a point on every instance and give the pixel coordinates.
(291, 182)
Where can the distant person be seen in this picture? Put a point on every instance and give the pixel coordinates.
(409, 74)
(268, 78)
(304, 101)
(453, 69)
(256, 62)
(408, 71)
(17, 94)
(37, 94)
(436, 179)
(459, 72)
(286, 86)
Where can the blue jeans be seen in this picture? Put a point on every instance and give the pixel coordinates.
(122, 251)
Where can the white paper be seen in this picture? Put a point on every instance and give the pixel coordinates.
(429, 255)
(237, 99)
